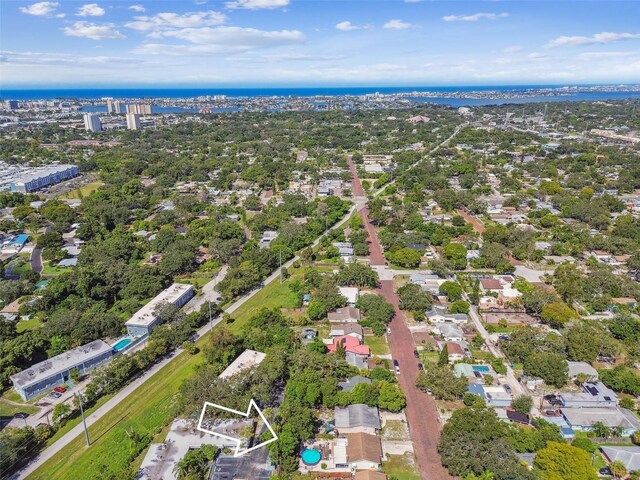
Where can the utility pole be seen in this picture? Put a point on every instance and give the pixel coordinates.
(84, 422)
(280, 261)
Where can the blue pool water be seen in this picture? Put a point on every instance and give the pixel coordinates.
(480, 368)
(122, 344)
(311, 456)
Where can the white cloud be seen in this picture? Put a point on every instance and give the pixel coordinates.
(397, 25)
(138, 8)
(90, 10)
(40, 9)
(512, 49)
(220, 40)
(256, 4)
(94, 31)
(588, 56)
(163, 21)
(347, 26)
(598, 38)
(475, 17)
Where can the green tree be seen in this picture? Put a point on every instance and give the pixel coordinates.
(560, 461)
(443, 359)
(551, 367)
(558, 314)
(406, 257)
(452, 290)
(316, 310)
(391, 397)
(456, 253)
(413, 298)
(60, 412)
(618, 469)
(522, 404)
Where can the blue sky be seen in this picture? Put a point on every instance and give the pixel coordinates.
(317, 43)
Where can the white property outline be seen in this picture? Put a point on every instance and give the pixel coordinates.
(237, 441)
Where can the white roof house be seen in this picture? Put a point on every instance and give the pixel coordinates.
(350, 293)
(144, 319)
(246, 360)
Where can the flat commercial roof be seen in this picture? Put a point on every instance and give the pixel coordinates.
(145, 316)
(246, 360)
(36, 173)
(60, 363)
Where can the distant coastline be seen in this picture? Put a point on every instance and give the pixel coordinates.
(435, 94)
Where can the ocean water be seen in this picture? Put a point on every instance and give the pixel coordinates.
(48, 94)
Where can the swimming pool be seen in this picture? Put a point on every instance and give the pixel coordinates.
(311, 456)
(481, 368)
(121, 344)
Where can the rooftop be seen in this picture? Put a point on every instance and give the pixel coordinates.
(145, 316)
(60, 363)
(363, 446)
(611, 417)
(630, 456)
(358, 415)
(247, 359)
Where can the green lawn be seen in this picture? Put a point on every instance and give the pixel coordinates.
(148, 410)
(429, 356)
(82, 191)
(401, 467)
(52, 270)
(25, 325)
(378, 345)
(21, 267)
(8, 410)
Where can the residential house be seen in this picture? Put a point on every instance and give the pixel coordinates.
(364, 451)
(347, 329)
(493, 396)
(268, 236)
(490, 285)
(358, 418)
(629, 456)
(438, 315)
(349, 383)
(583, 419)
(345, 315)
(349, 344)
(576, 368)
(351, 294)
(451, 333)
(455, 352)
(592, 395)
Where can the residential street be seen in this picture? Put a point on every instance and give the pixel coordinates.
(421, 410)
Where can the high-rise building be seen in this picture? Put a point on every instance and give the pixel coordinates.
(139, 108)
(133, 121)
(12, 104)
(92, 122)
(114, 106)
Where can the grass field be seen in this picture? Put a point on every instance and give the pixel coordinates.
(8, 410)
(25, 325)
(51, 270)
(378, 345)
(82, 191)
(401, 467)
(148, 410)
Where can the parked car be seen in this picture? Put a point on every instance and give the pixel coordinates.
(21, 415)
(507, 388)
(388, 331)
(60, 389)
(54, 395)
(420, 366)
(416, 354)
(397, 367)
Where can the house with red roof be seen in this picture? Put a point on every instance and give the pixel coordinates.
(349, 344)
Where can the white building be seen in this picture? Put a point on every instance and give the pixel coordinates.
(92, 122)
(351, 294)
(133, 121)
(145, 319)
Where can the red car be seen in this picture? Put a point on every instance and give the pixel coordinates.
(60, 389)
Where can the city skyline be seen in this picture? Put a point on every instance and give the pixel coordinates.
(309, 43)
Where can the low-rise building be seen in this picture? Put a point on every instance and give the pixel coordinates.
(358, 418)
(245, 361)
(145, 319)
(364, 451)
(345, 315)
(56, 370)
(592, 395)
(583, 419)
(351, 294)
